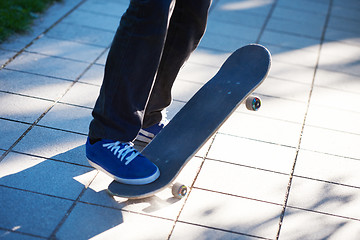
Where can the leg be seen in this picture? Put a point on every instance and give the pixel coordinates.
(131, 65)
(187, 26)
(130, 69)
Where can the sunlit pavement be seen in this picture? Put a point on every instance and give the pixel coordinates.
(289, 171)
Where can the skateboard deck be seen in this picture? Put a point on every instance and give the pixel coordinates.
(200, 118)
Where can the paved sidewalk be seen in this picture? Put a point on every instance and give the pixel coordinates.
(288, 171)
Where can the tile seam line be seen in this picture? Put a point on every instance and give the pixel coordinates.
(245, 166)
(46, 100)
(212, 139)
(41, 34)
(291, 175)
(69, 211)
(21, 233)
(238, 196)
(43, 126)
(267, 19)
(327, 181)
(36, 74)
(223, 230)
(37, 193)
(325, 213)
(59, 57)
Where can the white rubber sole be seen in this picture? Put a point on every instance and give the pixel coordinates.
(139, 181)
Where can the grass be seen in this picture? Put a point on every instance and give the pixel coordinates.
(17, 15)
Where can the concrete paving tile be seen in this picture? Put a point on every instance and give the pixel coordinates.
(16, 107)
(93, 20)
(341, 57)
(330, 141)
(174, 108)
(197, 73)
(37, 214)
(349, 66)
(47, 66)
(89, 221)
(232, 30)
(163, 204)
(32, 85)
(17, 42)
(67, 117)
(208, 57)
(10, 235)
(12, 131)
(332, 118)
(284, 89)
(246, 152)
(103, 57)
(94, 75)
(263, 129)
(56, 11)
(347, 4)
(310, 30)
(239, 215)
(301, 57)
(256, 7)
(183, 90)
(195, 232)
(293, 14)
(328, 168)
(291, 72)
(343, 36)
(325, 197)
(341, 50)
(319, 7)
(344, 24)
(66, 49)
(222, 43)
(43, 176)
(242, 181)
(79, 95)
(112, 8)
(81, 34)
(344, 12)
(300, 224)
(336, 99)
(238, 16)
(56, 144)
(5, 56)
(283, 39)
(82, 94)
(336, 80)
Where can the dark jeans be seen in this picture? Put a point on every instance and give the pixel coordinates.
(152, 42)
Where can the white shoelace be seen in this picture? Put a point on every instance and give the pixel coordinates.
(121, 153)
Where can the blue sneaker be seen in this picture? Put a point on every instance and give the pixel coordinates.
(121, 161)
(148, 134)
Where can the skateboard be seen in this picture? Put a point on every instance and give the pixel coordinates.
(200, 118)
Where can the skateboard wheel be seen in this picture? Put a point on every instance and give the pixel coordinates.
(179, 190)
(253, 103)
